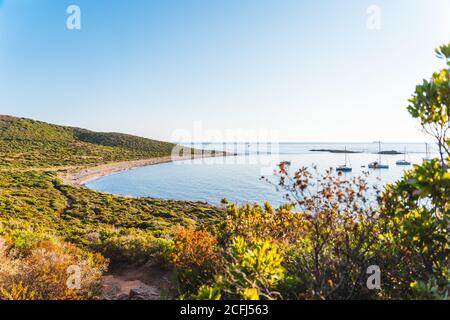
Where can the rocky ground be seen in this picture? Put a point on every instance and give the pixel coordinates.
(150, 281)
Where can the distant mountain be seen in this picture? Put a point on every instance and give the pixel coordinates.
(30, 143)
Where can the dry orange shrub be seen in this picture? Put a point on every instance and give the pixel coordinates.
(43, 274)
(193, 248)
(195, 254)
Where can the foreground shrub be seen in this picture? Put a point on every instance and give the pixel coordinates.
(253, 270)
(256, 222)
(45, 272)
(320, 252)
(416, 209)
(338, 219)
(195, 256)
(416, 213)
(128, 248)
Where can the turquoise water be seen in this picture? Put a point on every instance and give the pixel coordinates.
(238, 177)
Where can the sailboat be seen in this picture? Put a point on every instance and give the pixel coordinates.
(403, 162)
(344, 167)
(378, 164)
(427, 154)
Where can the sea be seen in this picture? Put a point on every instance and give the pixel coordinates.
(248, 176)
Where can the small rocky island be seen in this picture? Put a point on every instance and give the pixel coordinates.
(334, 151)
(390, 152)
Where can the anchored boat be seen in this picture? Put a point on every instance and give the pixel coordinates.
(344, 167)
(403, 162)
(378, 164)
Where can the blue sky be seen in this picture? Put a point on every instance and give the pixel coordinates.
(310, 70)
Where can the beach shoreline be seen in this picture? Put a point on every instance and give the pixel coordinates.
(79, 178)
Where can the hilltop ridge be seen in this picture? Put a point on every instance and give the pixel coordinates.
(31, 143)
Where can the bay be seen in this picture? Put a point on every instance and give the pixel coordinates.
(238, 178)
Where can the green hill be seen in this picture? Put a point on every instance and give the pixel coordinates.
(41, 217)
(28, 143)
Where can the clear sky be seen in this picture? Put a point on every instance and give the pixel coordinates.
(311, 70)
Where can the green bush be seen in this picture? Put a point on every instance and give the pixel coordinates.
(130, 248)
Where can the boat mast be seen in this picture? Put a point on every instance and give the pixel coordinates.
(345, 155)
(379, 152)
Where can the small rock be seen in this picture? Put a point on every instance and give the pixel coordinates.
(144, 293)
(123, 296)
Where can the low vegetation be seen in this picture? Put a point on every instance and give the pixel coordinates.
(35, 208)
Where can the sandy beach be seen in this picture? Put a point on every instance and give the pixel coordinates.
(80, 177)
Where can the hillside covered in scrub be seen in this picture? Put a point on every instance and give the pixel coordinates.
(40, 217)
(26, 143)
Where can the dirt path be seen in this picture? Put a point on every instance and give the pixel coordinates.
(140, 283)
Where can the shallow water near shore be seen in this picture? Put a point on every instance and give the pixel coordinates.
(238, 178)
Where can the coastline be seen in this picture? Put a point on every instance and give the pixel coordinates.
(79, 178)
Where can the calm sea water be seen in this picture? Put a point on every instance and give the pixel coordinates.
(238, 178)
